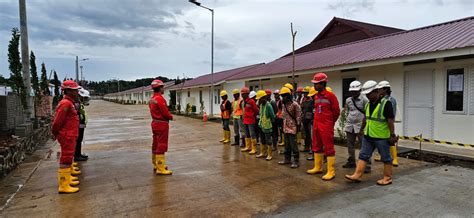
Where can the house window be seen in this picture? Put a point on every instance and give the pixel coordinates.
(217, 99)
(345, 89)
(200, 96)
(189, 94)
(455, 90)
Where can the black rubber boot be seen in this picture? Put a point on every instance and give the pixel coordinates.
(236, 140)
(285, 161)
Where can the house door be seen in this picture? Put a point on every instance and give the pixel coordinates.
(419, 103)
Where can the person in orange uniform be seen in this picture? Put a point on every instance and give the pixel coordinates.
(250, 114)
(226, 108)
(160, 127)
(326, 113)
(65, 129)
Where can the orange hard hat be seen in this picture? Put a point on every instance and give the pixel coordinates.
(245, 90)
(69, 84)
(268, 91)
(299, 89)
(156, 83)
(320, 77)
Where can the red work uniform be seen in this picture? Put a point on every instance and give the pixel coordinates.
(250, 111)
(160, 123)
(66, 129)
(326, 113)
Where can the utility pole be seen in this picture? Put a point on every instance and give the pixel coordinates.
(77, 69)
(293, 35)
(25, 59)
(82, 78)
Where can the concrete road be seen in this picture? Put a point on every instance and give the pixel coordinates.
(215, 180)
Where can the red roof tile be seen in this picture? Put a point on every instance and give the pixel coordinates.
(445, 36)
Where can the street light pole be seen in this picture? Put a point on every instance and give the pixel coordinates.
(25, 60)
(77, 67)
(212, 55)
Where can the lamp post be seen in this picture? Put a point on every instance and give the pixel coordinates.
(77, 67)
(212, 54)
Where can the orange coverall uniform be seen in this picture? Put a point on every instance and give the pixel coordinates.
(326, 113)
(65, 129)
(160, 123)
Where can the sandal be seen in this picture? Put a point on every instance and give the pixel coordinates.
(384, 183)
(351, 179)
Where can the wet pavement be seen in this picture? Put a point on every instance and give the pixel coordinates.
(211, 179)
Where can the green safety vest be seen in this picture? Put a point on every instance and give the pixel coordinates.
(376, 124)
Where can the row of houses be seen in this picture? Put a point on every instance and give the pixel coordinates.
(431, 71)
(140, 95)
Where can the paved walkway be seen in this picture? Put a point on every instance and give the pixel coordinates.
(211, 179)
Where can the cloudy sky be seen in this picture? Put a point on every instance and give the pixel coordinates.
(130, 39)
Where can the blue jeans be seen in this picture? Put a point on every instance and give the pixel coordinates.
(225, 124)
(250, 131)
(368, 147)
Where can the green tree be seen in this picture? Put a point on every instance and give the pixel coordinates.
(44, 81)
(34, 75)
(57, 94)
(15, 66)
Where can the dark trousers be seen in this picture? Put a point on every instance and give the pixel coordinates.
(291, 148)
(351, 142)
(308, 128)
(78, 151)
(279, 124)
(274, 134)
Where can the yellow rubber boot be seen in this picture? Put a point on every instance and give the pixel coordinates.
(377, 156)
(73, 178)
(331, 170)
(75, 164)
(223, 136)
(318, 163)
(161, 165)
(64, 175)
(269, 152)
(247, 145)
(75, 171)
(253, 145)
(227, 137)
(263, 149)
(393, 153)
(282, 141)
(298, 138)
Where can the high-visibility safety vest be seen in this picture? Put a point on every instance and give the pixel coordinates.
(225, 114)
(236, 107)
(376, 124)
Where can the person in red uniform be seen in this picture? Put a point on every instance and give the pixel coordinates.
(160, 128)
(250, 113)
(326, 113)
(65, 129)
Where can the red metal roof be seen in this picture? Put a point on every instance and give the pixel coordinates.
(445, 36)
(218, 77)
(140, 89)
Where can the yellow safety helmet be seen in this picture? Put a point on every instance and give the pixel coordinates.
(285, 90)
(307, 89)
(235, 91)
(328, 89)
(223, 93)
(260, 94)
(289, 86)
(312, 92)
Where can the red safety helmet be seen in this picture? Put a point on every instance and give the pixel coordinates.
(69, 84)
(300, 89)
(245, 90)
(156, 83)
(268, 91)
(320, 77)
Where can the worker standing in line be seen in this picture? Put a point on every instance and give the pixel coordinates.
(291, 120)
(289, 86)
(83, 101)
(307, 106)
(267, 116)
(65, 129)
(226, 110)
(385, 92)
(250, 111)
(274, 124)
(379, 133)
(326, 114)
(160, 127)
(354, 107)
(253, 96)
(279, 119)
(299, 100)
(237, 115)
(311, 94)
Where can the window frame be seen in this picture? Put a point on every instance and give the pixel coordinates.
(466, 89)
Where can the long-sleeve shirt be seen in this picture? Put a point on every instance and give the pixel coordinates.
(307, 107)
(250, 111)
(291, 117)
(326, 111)
(267, 117)
(158, 108)
(355, 113)
(66, 120)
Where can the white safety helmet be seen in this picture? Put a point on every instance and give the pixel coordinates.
(252, 94)
(355, 86)
(383, 84)
(277, 91)
(368, 87)
(84, 93)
